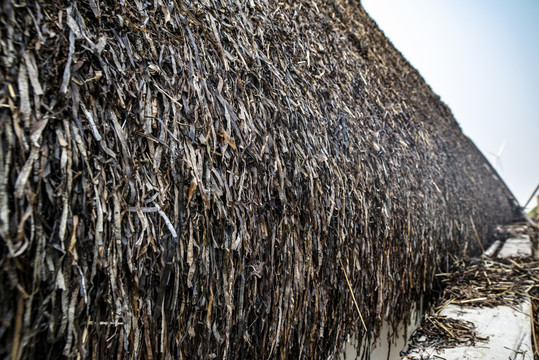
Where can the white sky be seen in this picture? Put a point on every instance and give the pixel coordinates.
(482, 58)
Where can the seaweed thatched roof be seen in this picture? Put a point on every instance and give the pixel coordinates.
(213, 178)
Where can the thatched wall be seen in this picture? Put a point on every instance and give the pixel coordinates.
(188, 179)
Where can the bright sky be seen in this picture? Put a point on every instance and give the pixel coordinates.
(482, 58)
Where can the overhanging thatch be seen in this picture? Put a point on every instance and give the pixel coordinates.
(198, 178)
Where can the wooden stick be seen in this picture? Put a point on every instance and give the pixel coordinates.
(477, 236)
(531, 197)
(536, 350)
(353, 297)
(16, 349)
(443, 307)
(436, 323)
(471, 300)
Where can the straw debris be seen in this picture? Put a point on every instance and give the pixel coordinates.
(442, 332)
(487, 282)
(482, 282)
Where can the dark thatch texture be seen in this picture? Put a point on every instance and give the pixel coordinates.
(195, 179)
